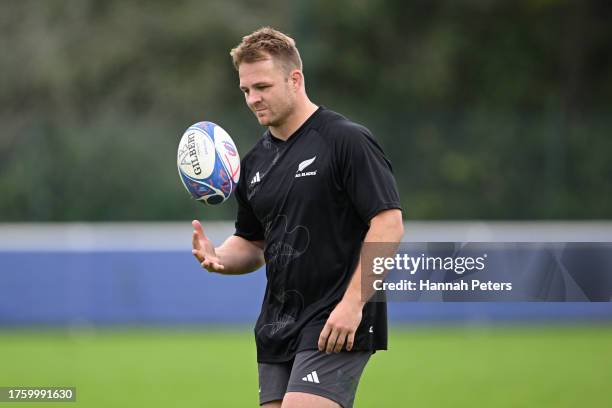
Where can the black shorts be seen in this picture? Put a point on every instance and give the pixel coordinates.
(334, 376)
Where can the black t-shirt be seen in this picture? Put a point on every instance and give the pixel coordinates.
(310, 200)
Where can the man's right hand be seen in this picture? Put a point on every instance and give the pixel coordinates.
(204, 250)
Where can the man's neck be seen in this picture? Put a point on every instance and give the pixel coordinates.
(294, 122)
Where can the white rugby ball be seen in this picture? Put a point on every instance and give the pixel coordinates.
(208, 163)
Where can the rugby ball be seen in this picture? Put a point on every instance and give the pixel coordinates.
(208, 163)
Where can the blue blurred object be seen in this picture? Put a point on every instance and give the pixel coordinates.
(169, 287)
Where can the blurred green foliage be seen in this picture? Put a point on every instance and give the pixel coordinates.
(487, 109)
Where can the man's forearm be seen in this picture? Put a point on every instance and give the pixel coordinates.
(239, 256)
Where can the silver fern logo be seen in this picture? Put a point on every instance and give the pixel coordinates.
(300, 171)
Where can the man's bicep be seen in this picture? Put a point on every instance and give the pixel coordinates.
(387, 217)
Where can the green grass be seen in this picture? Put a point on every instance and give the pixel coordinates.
(426, 367)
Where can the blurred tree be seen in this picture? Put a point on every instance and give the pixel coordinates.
(487, 109)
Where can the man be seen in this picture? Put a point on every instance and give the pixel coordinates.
(313, 189)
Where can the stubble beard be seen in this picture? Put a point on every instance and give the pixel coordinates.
(283, 114)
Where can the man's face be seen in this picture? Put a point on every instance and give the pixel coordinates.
(267, 91)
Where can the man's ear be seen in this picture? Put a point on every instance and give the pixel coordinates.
(297, 78)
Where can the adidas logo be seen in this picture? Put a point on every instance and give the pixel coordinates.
(303, 165)
(312, 377)
(256, 179)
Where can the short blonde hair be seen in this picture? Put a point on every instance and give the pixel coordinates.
(264, 44)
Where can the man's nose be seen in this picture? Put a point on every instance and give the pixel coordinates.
(253, 98)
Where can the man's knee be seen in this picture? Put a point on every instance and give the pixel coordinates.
(305, 400)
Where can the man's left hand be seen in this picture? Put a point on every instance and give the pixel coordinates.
(340, 327)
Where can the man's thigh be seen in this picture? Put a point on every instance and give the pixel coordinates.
(304, 400)
(273, 380)
(313, 379)
(325, 380)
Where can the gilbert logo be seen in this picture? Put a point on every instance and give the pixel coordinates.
(300, 171)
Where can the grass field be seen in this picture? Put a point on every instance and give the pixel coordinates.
(426, 367)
